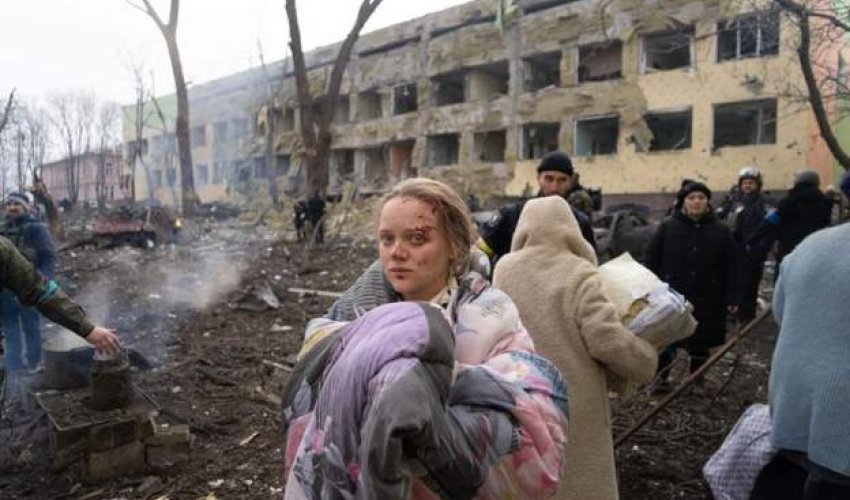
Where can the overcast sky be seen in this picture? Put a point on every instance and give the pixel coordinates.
(50, 45)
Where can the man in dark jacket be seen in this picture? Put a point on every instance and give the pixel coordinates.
(745, 218)
(800, 213)
(21, 325)
(555, 177)
(315, 214)
(694, 253)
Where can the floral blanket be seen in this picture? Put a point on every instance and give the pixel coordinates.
(408, 402)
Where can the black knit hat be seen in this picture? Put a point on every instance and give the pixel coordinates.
(689, 187)
(556, 161)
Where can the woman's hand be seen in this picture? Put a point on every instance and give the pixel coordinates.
(104, 339)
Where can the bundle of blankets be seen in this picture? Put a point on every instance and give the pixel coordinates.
(424, 401)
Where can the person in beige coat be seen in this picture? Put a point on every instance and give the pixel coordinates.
(551, 275)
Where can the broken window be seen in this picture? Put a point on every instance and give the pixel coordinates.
(369, 105)
(404, 99)
(343, 163)
(284, 119)
(448, 88)
(443, 149)
(375, 166)
(218, 172)
(282, 163)
(489, 146)
(668, 50)
(751, 35)
(199, 136)
(600, 61)
(220, 132)
(670, 130)
(157, 179)
(401, 159)
(743, 123)
(485, 82)
(539, 139)
(541, 71)
(597, 136)
(202, 174)
(343, 108)
(259, 167)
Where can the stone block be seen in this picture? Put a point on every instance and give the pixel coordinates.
(165, 457)
(129, 458)
(113, 434)
(169, 435)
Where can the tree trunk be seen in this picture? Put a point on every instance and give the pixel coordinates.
(181, 129)
(7, 110)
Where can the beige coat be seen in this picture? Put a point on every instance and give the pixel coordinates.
(551, 275)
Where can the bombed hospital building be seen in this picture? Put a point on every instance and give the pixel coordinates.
(639, 93)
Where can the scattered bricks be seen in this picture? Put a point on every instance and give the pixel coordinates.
(147, 428)
(113, 434)
(124, 460)
(165, 457)
(149, 487)
(169, 435)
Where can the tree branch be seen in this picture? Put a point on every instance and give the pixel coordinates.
(815, 96)
(8, 110)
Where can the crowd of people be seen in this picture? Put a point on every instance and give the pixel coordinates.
(447, 407)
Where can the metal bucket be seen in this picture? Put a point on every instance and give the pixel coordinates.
(111, 385)
(67, 369)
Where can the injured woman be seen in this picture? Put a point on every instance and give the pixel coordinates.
(422, 382)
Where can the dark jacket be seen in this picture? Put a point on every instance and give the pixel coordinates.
(802, 212)
(697, 259)
(749, 215)
(33, 290)
(315, 209)
(32, 238)
(498, 233)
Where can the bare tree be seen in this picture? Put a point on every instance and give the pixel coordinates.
(74, 118)
(316, 127)
(140, 115)
(165, 151)
(36, 124)
(107, 143)
(7, 110)
(169, 33)
(819, 28)
(269, 109)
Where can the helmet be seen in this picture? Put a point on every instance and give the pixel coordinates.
(750, 172)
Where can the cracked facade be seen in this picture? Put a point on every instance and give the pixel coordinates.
(640, 93)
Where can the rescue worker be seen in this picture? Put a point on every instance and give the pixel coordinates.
(804, 210)
(555, 177)
(32, 289)
(21, 325)
(744, 220)
(299, 218)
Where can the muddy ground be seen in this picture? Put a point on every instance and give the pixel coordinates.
(197, 312)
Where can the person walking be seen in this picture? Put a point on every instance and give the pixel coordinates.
(22, 325)
(809, 389)
(555, 177)
(551, 275)
(694, 253)
(315, 215)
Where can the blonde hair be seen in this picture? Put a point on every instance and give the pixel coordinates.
(451, 212)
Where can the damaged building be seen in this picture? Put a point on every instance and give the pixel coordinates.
(639, 93)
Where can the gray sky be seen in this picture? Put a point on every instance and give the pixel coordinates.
(49, 45)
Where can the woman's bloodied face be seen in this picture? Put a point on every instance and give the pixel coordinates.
(413, 248)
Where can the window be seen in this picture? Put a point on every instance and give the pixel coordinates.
(282, 163)
(220, 132)
(218, 172)
(404, 99)
(541, 71)
(343, 110)
(202, 174)
(539, 139)
(157, 179)
(670, 131)
(259, 167)
(448, 88)
(369, 105)
(443, 149)
(284, 119)
(199, 136)
(666, 51)
(107, 169)
(375, 160)
(343, 162)
(489, 146)
(745, 123)
(751, 35)
(488, 81)
(597, 136)
(532, 6)
(600, 61)
(240, 129)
